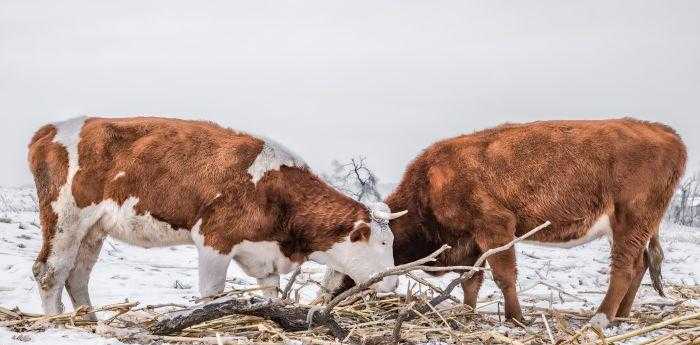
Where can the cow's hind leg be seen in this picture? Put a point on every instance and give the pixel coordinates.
(57, 258)
(630, 236)
(77, 283)
(650, 258)
(639, 268)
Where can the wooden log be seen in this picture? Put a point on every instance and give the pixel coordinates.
(289, 317)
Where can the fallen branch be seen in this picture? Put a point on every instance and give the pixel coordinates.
(288, 317)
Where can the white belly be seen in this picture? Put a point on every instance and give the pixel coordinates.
(601, 228)
(260, 259)
(143, 230)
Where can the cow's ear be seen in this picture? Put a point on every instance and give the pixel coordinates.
(360, 231)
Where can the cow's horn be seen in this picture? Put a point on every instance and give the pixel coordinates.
(387, 215)
(397, 214)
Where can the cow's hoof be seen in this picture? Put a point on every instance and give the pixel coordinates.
(522, 321)
(599, 320)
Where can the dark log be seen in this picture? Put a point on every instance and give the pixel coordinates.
(288, 316)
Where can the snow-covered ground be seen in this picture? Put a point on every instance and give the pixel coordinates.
(163, 275)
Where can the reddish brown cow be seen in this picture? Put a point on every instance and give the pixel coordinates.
(589, 178)
(158, 182)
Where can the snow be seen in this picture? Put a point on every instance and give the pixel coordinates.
(55, 337)
(162, 275)
(16, 200)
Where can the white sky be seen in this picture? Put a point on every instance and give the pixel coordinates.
(332, 79)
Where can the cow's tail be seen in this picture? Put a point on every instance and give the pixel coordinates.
(654, 256)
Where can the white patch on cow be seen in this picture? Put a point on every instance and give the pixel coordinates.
(68, 135)
(118, 175)
(143, 230)
(212, 265)
(261, 259)
(599, 229)
(272, 156)
(599, 320)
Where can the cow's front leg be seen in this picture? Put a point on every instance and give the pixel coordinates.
(271, 285)
(497, 228)
(212, 271)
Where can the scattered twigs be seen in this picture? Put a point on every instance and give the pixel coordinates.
(371, 320)
(560, 290)
(546, 326)
(502, 338)
(432, 286)
(644, 330)
(10, 313)
(68, 317)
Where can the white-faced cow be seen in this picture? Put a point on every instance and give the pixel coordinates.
(160, 182)
(591, 179)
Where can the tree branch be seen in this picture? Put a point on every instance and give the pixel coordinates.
(290, 317)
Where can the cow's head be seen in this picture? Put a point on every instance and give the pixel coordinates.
(367, 250)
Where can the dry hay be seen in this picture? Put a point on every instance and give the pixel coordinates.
(371, 319)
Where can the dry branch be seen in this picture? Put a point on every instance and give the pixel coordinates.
(290, 284)
(289, 317)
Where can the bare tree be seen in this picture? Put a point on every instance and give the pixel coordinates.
(355, 179)
(685, 209)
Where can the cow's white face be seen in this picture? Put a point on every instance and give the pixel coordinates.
(366, 251)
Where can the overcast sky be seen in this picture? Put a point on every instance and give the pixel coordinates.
(332, 79)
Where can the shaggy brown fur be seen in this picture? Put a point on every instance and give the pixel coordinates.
(477, 191)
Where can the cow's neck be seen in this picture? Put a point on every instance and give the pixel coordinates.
(414, 233)
(317, 216)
